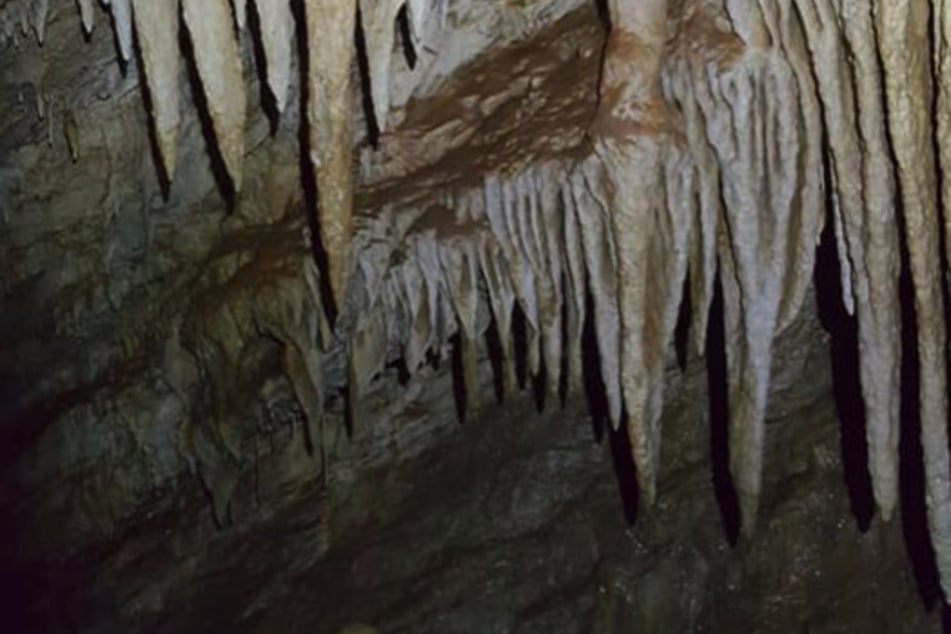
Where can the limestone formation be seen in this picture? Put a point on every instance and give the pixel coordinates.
(719, 138)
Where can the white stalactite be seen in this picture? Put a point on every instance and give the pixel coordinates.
(706, 221)
(459, 260)
(38, 14)
(277, 39)
(549, 232)
(240, 8)
(760, 90)
(807, 216)
(515, 209)
(418, 12)
(122, 15)
(378, 18)
(87, 15)
(863, 187)
(502, 300)
(219, 66)
(544, 339)
(427, 253)
(667, 270)
(156, 24)
(593, 217)
(575, 291)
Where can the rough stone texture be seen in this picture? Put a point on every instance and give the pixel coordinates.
(113, 439)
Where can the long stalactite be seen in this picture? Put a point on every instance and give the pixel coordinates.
(725, 133)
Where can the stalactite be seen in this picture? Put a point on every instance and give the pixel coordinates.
(545, 338)
(427, 254)
(38, 14)
(703, 239)
(330, 114)
(861, 186)
(460, 270)
(901, 29)
(841, 246)
(667, 269)
(502, 210)
(418, 11)
(87, 15)
(593, 217)
(378, 18)
(156, 25)
(122, 15)
(504, 291)
(277, 33)
(218, 61)
(760, 91)
(502, 300)
(575, 290)
(549, 232)
(240, 9)
(631, 142)
(807, 217)
(517, 200)
(416, 340)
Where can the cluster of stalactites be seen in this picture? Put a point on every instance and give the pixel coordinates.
(716, 147)
(518, 245)
(745, 99)
(214, 27)
(711, 157)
